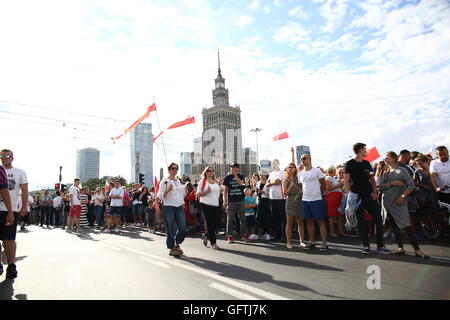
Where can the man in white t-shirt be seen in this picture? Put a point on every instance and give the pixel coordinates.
(18, 190)
(313, 183)
(75, 205)
(116, 205)
(440, 174)
(57, 208)
(277, 201)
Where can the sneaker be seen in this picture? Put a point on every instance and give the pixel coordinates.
(11, 271)
(267, 236)
(174, 252)
(302, 245)
(215, 247)
(253, 237)
(245, 237)
(177, 247)
(324, 248)
(383, 250)
(230, 239)
(310, 246)
(107, 231)
(289, 245)
(366, 250)
(386, 235)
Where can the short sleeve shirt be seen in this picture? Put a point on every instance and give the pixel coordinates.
(360, 173)
(442, 169)
(16, 177)
(235, 191)
(75, 192)
(275, 191)
(310, 181)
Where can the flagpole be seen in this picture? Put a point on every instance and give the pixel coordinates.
(162, 139)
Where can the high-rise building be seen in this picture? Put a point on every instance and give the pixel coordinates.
(266, 165)
(300, 150)
(88, 164)
(142, 153)
(222, 139)
(250, 165)
(185, 164)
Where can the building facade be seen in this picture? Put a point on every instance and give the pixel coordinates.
(250, 165)
(88, 164)
(222, 139)
(301, 150)
(142, 153)
(185, 164)
(266, 165)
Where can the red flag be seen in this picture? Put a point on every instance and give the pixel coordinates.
(145, 116)
(156, 185)
(154, 139)
(372, 155)
(182, 123)
(281, 136)
(176, 125)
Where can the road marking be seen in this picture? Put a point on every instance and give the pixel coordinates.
(156, 262)
(234, 283)
(232, 292)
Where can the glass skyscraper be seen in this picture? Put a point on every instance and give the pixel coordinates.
(142, 153)
(88, 164)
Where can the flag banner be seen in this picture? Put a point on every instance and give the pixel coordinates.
(145, 116)
(372, 155)
(281, 136)
(154, 139)
(182, 123)
(176, 125)
(138, 121)
(156, 185)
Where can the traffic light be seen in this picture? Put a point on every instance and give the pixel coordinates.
(57, 186)
(63, 187)
(141, 178)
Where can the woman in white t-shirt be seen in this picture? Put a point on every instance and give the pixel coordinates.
(333, 198)
(208, 191)
(172, 193)
(98, 200)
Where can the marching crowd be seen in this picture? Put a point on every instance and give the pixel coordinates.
(387, 196)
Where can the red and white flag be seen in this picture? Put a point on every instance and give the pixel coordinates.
(189, 120)
(281, 136)
(150, 109)
(156, 185)
(372, 155)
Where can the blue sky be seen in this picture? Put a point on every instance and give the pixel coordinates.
(329, 72)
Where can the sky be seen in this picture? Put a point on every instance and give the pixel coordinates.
(73, 74)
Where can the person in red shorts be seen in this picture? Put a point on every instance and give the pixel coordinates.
(333, 198)
(75, 205)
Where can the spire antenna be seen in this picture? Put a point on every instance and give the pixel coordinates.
(218, 60)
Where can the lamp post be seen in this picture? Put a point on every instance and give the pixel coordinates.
(256, 130)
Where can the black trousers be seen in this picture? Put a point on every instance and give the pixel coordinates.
(374, 209)
(398, 233)
(264, 219)
(212, 216)
(46, 215)
(278, 208)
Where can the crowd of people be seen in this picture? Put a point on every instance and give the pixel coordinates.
(372, 199)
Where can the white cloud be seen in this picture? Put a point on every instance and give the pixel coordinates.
(255, 4)
(244, 21)
(346, 42)
(267, 9)
(278, 3)
(299, 13)
(334, 12)
(292, 32)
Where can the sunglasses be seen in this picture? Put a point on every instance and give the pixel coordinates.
(292, 168)
(5, 157)
(304, 159)
(173, 168)
(209, 170)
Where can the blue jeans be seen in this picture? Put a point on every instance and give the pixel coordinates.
(98, 212)
(173, 219)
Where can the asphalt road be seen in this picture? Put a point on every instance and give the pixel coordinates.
(133, 264)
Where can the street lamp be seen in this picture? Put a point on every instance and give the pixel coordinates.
(256, 130)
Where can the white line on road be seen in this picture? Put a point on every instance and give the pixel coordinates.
(232, 292)
(234, 283)
(155, 262)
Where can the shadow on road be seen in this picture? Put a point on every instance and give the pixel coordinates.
(232, 271)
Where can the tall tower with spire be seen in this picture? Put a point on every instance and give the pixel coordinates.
(222, 138)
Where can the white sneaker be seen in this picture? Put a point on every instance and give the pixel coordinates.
(289, 245)
(107, 231)
(253, 237)
(267, 236)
